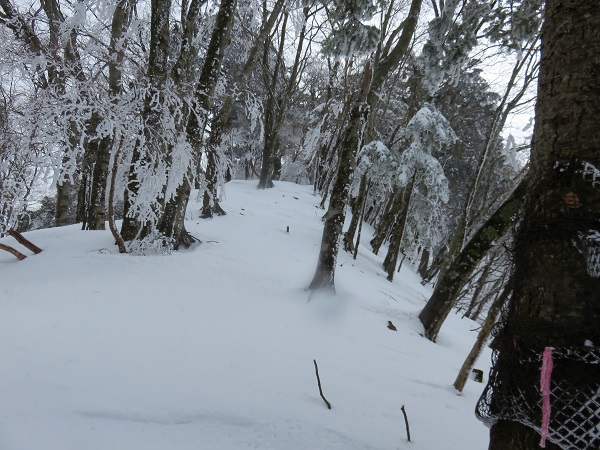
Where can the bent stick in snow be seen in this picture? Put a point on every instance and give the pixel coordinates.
(319, 382)
(21, 256)
(24, 242)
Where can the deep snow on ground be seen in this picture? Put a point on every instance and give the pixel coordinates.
(213, 348)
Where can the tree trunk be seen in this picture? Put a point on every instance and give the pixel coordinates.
(336, 213)
(386, 222)
(157, 73)
(173, 222)
(111, 200)
(63, 201)
(278, 102)
(356, 214)
(219, 124)
(96, 216)
(423, 264)
(481, 282)
(361, 220)
(391, 258)
(96, 209)
(482, 338)
(265, 179)
(556, 301)
(448, 287)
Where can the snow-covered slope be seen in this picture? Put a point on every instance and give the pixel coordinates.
(213, 348)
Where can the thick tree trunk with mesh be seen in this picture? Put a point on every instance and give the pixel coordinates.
(556, 300)
(448, 287)
(507, 435)
(336, 213)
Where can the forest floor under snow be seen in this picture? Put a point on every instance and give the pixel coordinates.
(213, 347)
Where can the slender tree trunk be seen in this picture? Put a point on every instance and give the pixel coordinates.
(220, 123)
(266, 171)
(361, 220)
(63, 201)
(423, 264)
(482, 337)
(278, 103)
(96, 216)
(158, 74)
(448, 287)
(82, 190)
(111, 200)
(356, 214)
(467, 216)
(173, 221)
(476, 299)
(96, 209)
(391, 258)
(382, 230)
(336, 213)
(556, 301)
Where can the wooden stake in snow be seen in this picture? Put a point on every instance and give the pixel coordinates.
(24, 242)
(406, 423)
(319, 382)
(18, 254)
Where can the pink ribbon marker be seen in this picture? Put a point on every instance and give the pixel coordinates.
(547, 365)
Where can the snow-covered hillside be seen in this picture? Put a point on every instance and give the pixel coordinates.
(213, 348)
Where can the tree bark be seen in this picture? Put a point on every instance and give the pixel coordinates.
(336, 213)
(265, 179)
(219, 124)
(386, 222)
(482, 337)
(423, 264)
(278, 102)
(63, 200)
(448, 287)
(356, 214)
(173, 221)
(481, 282)
(96, 216)
(556, 301)
(111, 201)
(158, 74)
(391, 258)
